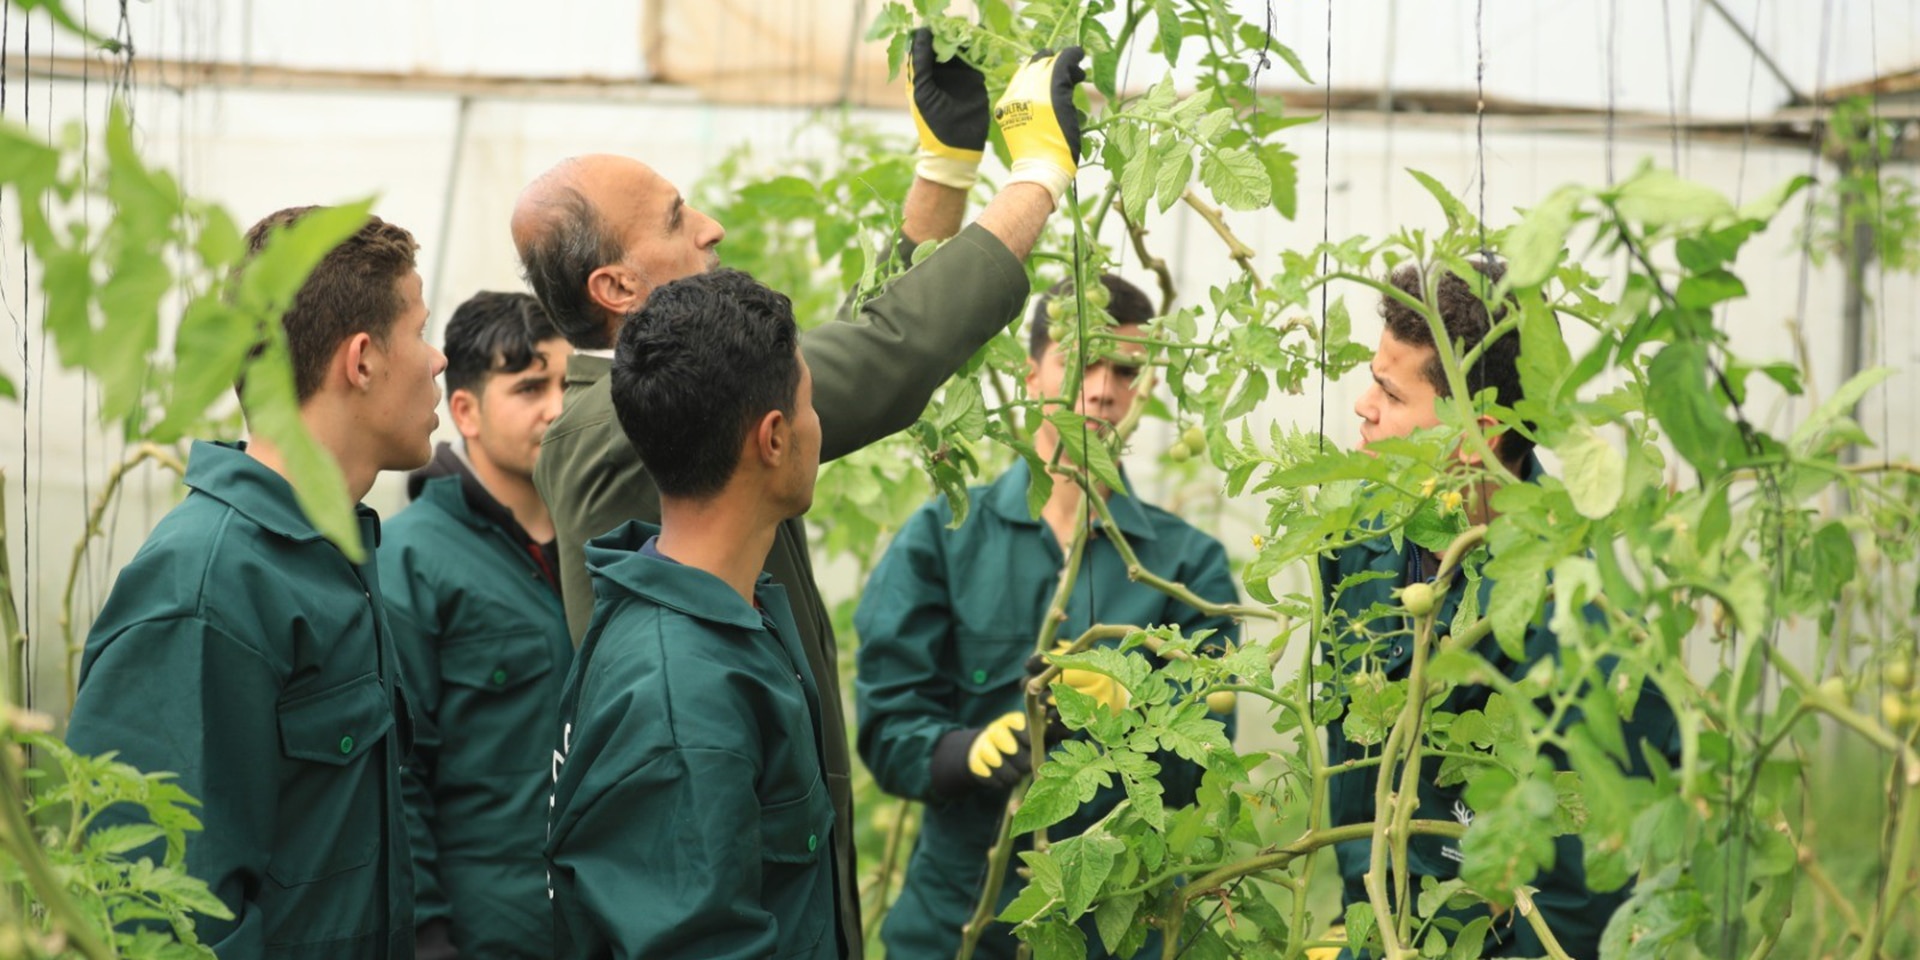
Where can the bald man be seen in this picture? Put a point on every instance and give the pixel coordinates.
(597, 234)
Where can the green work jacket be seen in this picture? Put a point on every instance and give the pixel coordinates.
(690, 810)
(484, 650)
(946, 625)
(1576, 914)
(872, 376)
(243, 652)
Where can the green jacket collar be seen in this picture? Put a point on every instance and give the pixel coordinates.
(585, 371)
(1007, 498)
(616, 558)
(224, 472)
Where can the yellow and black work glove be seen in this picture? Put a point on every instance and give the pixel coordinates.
(994, 755)
(1038, 120)
(949, 100)
(1338, 932)
(1099, 686)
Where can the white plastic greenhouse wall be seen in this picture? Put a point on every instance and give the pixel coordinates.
(445, 109)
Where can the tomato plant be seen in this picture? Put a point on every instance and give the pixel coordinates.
(1676, 523)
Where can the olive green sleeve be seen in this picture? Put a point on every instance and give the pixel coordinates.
(873, 375)
(182, 696)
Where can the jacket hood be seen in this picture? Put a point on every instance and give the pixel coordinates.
(446, 462)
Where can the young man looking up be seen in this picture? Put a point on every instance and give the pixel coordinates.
(1408, 385)
(244, 652)
(690, 813)
(947, 624)
(597, 234)
(468, 575)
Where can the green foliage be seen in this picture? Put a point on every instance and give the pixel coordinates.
(105, 287)
(109, 876)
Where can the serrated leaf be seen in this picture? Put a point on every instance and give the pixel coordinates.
(1596, 473)
(1173, 178)
(1533, 246)
(1283, 172)
(1654, 197)
(1456, 212)
(1058, 941)
(122, 838)
(1236, 178)
(1686, 409)
(1087, 446)
(1840, 404)
(1113, 917)
(1086, 862)
(1167, 16)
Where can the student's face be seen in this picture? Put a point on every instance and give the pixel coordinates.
(1400, 400)
(404, 391)
(806, 435)
(1110, 387)
(505, 422)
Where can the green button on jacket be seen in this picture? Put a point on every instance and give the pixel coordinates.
(243, 652)
(872, 376)
(946, 625)
(484, 646)
(692, 801)
(1575, 913)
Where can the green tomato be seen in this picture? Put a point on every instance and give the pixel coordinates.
(1897, 710)
(1179, 452)
(1195, 437)
(1098, 295)
(1418, 598)
(1221, 701)
(1056, 309)
(1900, 674)
(1834, 689)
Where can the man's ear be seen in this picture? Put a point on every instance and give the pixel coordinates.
(465, 409)
(355, 359)
(1487, 426)
(617, 289)
(772, 438)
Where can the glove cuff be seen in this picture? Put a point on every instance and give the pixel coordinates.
(1047, 175)
(950, 169)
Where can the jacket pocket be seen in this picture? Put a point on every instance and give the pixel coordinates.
(497, 665)
(331, 800)
(988, 671)
(796, 876)
(497, 709)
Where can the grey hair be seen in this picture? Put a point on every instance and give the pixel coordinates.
(557, 263)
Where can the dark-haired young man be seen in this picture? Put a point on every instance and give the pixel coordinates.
(946, 628)
(1408, 384)
(244, 652)
(468, 575)
(598, 234)
(690, 815)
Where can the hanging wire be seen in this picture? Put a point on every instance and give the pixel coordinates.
(1480, 118)
(1880, 345)
(30, 570)
(1326, 216)
(1673, 101)
(1613, 79)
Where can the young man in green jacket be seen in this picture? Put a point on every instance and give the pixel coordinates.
(690, 812)
(245, 653)
(1408, 384)
(597, 234)
(947, 625)
(468, 575)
